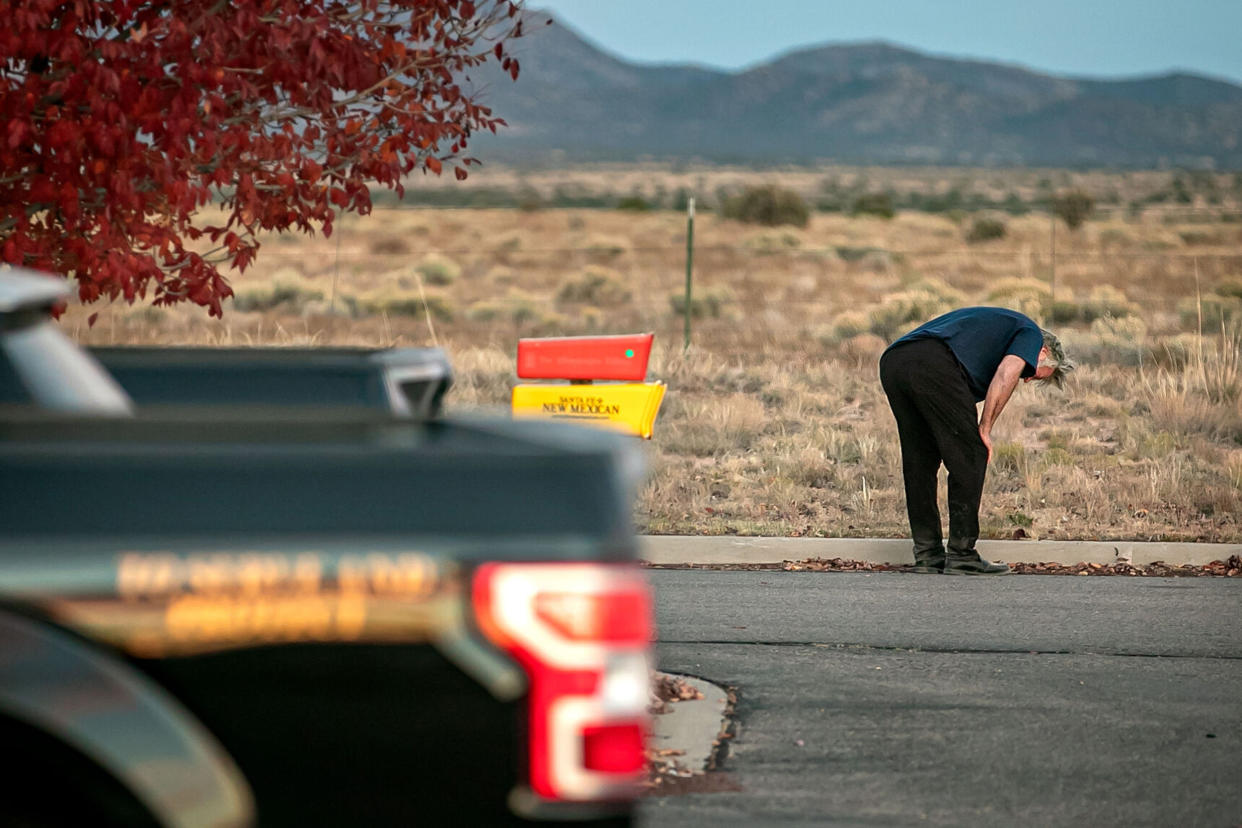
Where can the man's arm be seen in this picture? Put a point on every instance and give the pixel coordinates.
(999, 390)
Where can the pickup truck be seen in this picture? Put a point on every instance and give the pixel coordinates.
(303, 615)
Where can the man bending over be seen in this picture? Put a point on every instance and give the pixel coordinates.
(933, 377)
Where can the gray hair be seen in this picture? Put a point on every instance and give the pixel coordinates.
(1061, 364)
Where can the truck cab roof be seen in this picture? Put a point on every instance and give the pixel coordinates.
(24, 290)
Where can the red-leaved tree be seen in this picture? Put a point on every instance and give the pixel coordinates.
(119, 119)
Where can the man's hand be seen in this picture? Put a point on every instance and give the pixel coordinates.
(987, 441)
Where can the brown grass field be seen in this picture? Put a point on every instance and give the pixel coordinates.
(775, 423)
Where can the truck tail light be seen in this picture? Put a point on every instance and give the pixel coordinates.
(582, 632)
(613, 748)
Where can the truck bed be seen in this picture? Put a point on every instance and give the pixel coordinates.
(187, 473)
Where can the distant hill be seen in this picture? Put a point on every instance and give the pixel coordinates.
(863, 103)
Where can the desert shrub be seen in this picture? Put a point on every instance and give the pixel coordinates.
(519, 308)
(985, 229)
(939, 289)
(856, 254)
(707, 302)
(606, 247)
(865, 347)
(585, 320)
(522, 308)
(770, 205)
(531, 313)
(1175, 352)
(500, 275)
(438, 270)
(1063, 310)
(1057, 457)
(1029, 296)
(849, 324)
(831, 203)
(876, 261)
(528, 199)
(899, 310)
(1125, 328)
(1200, 237)
(546, 323)
(389, 246)
(874, 204)
(344, 304)
(1028, 304)
(634, 203)
(773, 242)
(1120, 341)
(279, 294)
(1017, 286)
(408, 303)
(1020, 519)
(485, 311)
(579, 195)
(1217, 310)
(1008, 457)
(1073, 207)
(595, 286)
(1231, 286)
(1106, 300)
(150, 314)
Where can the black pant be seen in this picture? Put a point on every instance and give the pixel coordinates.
(937, 422)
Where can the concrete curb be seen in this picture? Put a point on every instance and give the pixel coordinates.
(692, 726)
(682, 549)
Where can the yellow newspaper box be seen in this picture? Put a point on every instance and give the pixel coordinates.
(626, 404)
(629, 407)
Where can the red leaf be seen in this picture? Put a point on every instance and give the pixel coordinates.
(17, 130)
(122, 129)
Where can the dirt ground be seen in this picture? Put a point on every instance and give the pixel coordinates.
(774, 422)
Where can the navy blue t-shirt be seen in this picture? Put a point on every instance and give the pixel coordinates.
(980, 338)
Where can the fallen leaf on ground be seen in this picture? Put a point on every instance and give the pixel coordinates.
(666, 688)
(1230, 568)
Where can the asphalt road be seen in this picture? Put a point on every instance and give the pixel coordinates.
(894, 699)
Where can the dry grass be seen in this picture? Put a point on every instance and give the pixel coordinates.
(775, 423)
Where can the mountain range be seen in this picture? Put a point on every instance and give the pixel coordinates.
(856, 103)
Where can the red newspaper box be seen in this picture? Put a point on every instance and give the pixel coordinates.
(585, 357)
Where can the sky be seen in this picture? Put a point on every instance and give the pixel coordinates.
(1079, 38)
